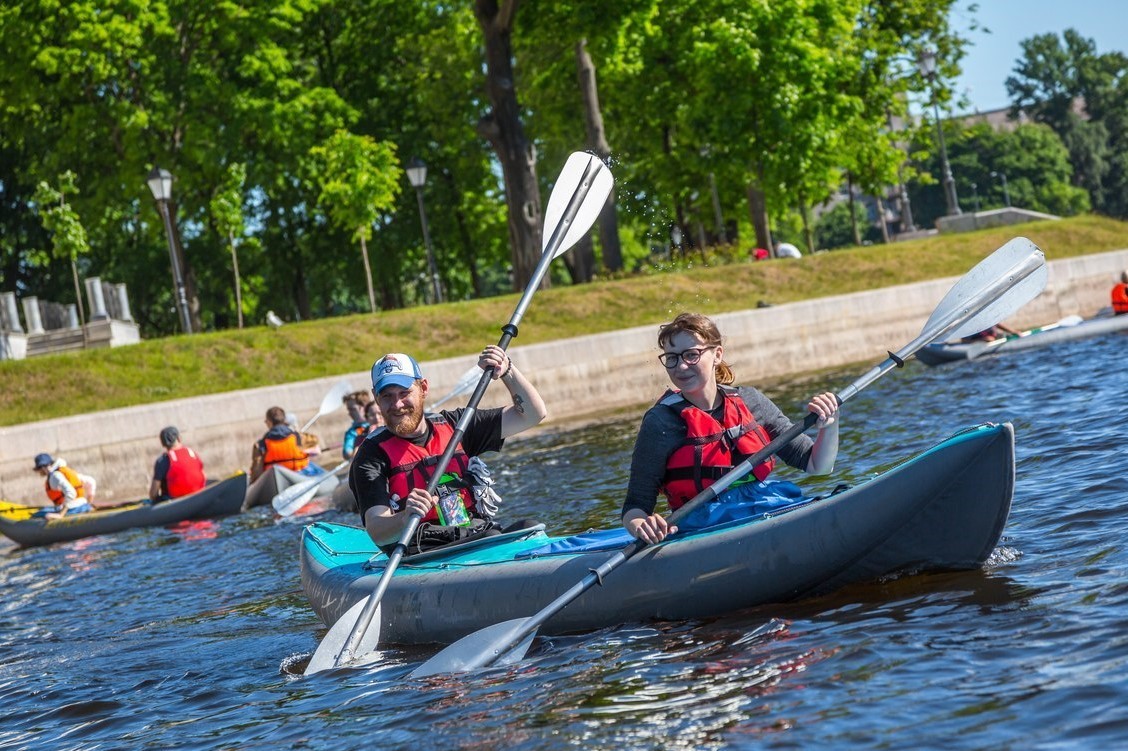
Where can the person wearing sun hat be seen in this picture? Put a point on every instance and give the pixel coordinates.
(68, 491)
(392, 466)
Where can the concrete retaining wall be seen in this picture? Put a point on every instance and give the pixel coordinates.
(577, 377)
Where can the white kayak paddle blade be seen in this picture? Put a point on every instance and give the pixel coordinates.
(328, 651)
(581, 170)
(1005, 264)
(481, 648)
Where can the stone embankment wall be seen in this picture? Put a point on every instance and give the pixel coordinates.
(578, 378)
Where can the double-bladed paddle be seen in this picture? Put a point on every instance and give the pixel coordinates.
(577, 199)
(292, 499)
(996, 287)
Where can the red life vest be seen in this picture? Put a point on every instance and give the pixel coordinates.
(185, 472)
(57, 496)
(412, 466)
(281, 446)
(711, 448)
(1120, 299)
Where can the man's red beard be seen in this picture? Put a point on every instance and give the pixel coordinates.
(405, 424)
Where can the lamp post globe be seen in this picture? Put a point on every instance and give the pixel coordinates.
(417, 176)
(160, 183)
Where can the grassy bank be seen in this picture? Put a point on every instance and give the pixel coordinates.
(181, 366)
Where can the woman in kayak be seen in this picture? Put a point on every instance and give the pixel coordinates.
(702, 427)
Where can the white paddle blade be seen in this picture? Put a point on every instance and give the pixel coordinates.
(1070, 321)
(1004, 263)
(326, 655)
(333, 400)
(293, 498)
(483, 647)
(580, 168)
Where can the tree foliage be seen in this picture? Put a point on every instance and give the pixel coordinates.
(281, 121)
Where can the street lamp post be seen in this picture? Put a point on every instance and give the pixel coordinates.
(1006, 192)
(160, 182)
(417, 176)
(927, 64)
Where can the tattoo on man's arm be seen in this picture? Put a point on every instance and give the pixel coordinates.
(519, 404)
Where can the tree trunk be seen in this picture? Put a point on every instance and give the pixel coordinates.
(367, 273)
(881, 218)
(238, 284)
(597, 141)
(580, 260)
(853, 212)
(808, 233)
(503, 129)
(758, 213)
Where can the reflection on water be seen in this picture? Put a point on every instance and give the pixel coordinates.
(162, 638)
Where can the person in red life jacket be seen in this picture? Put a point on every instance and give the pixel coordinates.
(281, 445)
(392, 467)
(356, 404)
(178, 471)
(68, 491)
(703, 427)
(1120, 296)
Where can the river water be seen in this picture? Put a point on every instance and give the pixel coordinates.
(187, 638)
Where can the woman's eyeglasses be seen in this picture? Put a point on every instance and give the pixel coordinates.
(690, 356)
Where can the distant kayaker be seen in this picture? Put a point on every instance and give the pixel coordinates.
(998, 331)
(69, 491)
(178, 472)
(1120, 295)
(372, 418)
(281, 445)
(703, 427)
(356, 404)
(393, 465)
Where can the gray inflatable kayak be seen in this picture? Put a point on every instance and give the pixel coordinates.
(943, 509)
(1063, 331)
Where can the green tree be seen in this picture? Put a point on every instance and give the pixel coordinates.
(68, 237)
(358, 179)
(1083, 95)
(227, 214)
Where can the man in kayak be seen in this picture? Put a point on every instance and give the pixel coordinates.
(998, 331)
(393, 465)
(1120, 296)
(178, 471)
(703, 427)
(281, 445)
(69, 491)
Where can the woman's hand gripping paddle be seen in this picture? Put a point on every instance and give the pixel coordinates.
(994, 289)
(576, 201)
